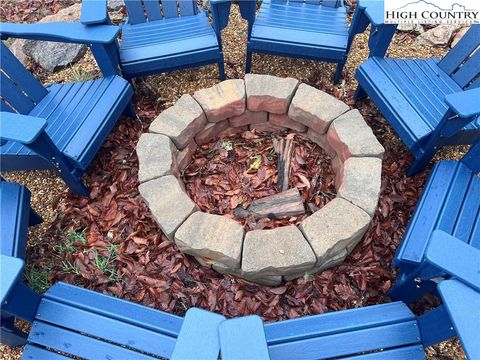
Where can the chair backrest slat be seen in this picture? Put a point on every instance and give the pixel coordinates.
(4, 107)
(21, 87)
(152, 10)
(187, 7)
(462, 55)
(329, 3)
(140, 11)
(170, 8)
(135, 11)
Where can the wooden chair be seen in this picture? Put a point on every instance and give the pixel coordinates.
(429, 102)
(59, 126)
(447, 212)
(163, 35)
(308, 29)
(72, 321)
(16, 215)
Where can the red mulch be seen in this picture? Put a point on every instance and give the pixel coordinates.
(233, 171)
(156, 274)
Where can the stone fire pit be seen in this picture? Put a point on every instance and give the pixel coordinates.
(266, 103)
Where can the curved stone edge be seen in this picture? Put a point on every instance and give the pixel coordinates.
(298, 102)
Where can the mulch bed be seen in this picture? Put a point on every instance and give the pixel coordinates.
(233, 171)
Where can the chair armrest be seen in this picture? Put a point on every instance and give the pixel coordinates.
(94, 12)
(11, 269)
(462, 304)
(374, 10)
(20, 128)
(455, 257)
(465, 103)
(61, 32)
(220, 12)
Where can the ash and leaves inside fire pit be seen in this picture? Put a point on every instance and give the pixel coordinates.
(228, 174)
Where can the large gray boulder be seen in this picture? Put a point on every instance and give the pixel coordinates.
(52, 56)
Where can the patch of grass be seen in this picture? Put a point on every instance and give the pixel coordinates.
(79, 75)
(227, 145)
(37, 278)
(71, 239)
(70, 268)
(105, 262)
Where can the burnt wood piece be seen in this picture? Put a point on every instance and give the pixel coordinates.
(284, 149)
(281, 205)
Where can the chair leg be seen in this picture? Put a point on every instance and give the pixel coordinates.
(9, 335)
(248, 62)
(338, 73)
(221, 70)
(419, 164)
(34, 218)
(411, 288)
(359, 94)
(129, 111)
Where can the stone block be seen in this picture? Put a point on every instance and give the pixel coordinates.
(185, 156)
(315, 108)
(321, 140)
(156, 156)
(269, 93)
(284, 121)
(210, 132)
(249, 117)
(267, 127)
(181, 122)
(168, 202)
(233, 131)
(223, 100)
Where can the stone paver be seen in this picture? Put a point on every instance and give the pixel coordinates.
(333, 228)
(210, 132)
(185, 156)
(321, 140)
(181, 122)
(269, 93)
(223, 100)
(279, 251)
(249, 117)
(359, 182)
(315, 108)
(168, 202)
(285, 121)
(214, 237)
(156, 156)
(233, 131)
(349, 135)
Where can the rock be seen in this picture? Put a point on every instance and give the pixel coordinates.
(333, 261)
(285, 121)
(210, 132)
(315, 109)
(156, 156)
(181, 122)
(269, 93)
(359, 182)
(52, 56)
(266, 280)
(115, 5)
(413, 28)
(267, 127)
(458, 35)
(185, 156)
(249, 117)
(321, 140)
(168, 202)
(438, 36)
(214, 237)
(349, 135)
(280, 251)
(333, 228)
(223, 100)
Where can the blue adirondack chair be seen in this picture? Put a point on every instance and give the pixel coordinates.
(379, 332)
(16, 215)
(60, 126)
(309, 29)
(450, 203)
(86, 324)
(163, 35)
(430, 103)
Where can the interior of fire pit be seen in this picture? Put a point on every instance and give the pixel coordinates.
(211, 174)
(241, 175)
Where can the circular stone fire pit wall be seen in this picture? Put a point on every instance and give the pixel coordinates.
(266, 103)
